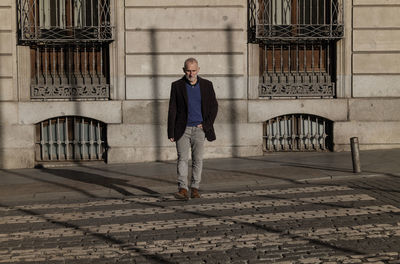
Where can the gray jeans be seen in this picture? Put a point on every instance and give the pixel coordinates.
(192, 138)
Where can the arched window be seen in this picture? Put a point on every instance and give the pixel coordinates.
(70, 138)
(298, 132)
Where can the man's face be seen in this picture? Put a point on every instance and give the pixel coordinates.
(191, 70)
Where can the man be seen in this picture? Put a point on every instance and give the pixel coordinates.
(191, 115)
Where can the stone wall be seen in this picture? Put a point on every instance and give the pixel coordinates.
(16, 140)
(376, 46)
(374, 107)
(154, 37)
(159, 36)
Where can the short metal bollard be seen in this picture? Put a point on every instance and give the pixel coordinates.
(355, 154)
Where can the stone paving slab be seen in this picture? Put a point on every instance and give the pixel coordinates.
(281, 208)
(154, 178)
(344, 222)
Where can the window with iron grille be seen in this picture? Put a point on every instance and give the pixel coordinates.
(70, 138)
(69, 41)
(297, 46)
(298, 132)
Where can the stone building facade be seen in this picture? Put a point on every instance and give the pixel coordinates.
(120, 113)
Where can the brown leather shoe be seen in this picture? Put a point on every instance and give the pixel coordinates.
(194, 193)
(182, 194)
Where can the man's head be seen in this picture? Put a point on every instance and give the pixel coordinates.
(191, 69)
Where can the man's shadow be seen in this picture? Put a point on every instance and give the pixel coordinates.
(107, 182)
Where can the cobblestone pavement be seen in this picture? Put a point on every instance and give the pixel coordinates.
(323, 222)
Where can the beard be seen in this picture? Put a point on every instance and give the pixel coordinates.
(191, 79)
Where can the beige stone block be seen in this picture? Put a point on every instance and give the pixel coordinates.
(5, 18)
(17, 136)
(185, 18)
(148, 135)
(17, 158)
(146, 154)
(376, 85)
(156, 112)
(263, 110)
(6, 3)
(140, 154)
(145, 112)
(8, 113)
(232, 111)
(238, 134)
(138, 135)
(168, 64)
(376, 40)
(185, 41)
(105, 111)
(374, 109)
(6, 89)
(184, 3)
(376, 17)
(346, 147)
(6, 42)
(147, 88)
(160, 87)
(368, 133)
(376, 63)
(6, 65)
(232, 151)
(375, 2)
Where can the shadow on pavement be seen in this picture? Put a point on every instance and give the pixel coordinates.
(66, 186)
(91, 178)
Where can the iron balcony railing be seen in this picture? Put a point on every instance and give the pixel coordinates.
(70, 72)
(61, 21)
(297, 70)
(288, 20)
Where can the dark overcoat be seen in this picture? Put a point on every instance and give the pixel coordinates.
(178, 108)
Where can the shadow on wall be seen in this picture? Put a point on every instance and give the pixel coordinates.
(1, 132)
(156, 88)
(232, 92)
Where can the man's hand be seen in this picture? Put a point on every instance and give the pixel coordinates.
(200, 126)
(172, 139)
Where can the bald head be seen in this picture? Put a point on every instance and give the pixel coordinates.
(191, 69)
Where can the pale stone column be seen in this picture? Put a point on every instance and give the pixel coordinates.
(344, 54)
(117, 51)
(253, 70)
(24, 73)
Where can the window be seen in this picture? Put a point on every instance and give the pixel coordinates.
(70, 138)
(297, 46)
(55, 21)
(69, 42)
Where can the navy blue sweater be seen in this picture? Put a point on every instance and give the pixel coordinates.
(194, 104)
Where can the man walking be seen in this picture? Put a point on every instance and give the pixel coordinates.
(191, 115)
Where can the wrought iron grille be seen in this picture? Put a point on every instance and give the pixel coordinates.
(298, 132)
(57, 21)
(297, 70)
(70, 138)
(288, 20)
(70, 72)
